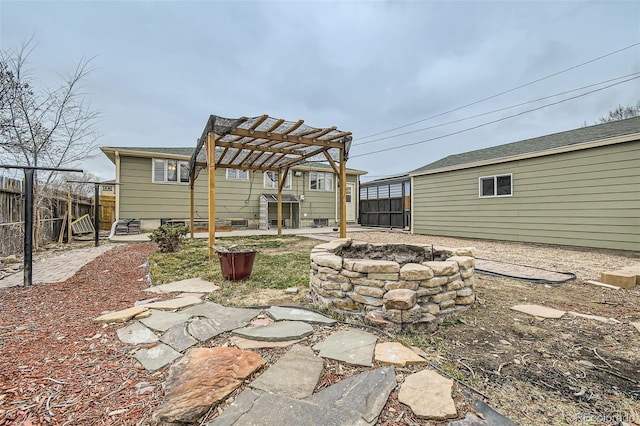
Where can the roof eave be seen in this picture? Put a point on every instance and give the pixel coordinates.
(110, 152)
(543, 153)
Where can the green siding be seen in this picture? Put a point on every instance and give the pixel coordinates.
(585, 198)
(141, 198)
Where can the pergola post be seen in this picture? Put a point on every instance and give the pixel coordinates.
(282, 178)
(343, 194)
(211, 163)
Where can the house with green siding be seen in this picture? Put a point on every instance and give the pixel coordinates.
(154, 187)
(579, 188)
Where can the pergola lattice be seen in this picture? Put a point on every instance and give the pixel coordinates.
(266, 144)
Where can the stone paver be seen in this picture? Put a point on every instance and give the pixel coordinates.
(294, 375)
(123, 315)
(178, 338)
(594, 317)
(162, 320)
(156, 357)
(145, 301)
(243, 343)
(204, 329)
(351, 346)
(357, 400)
(227, 318)
(173, 304)
(393, 353)
(276, 332)
(58, 268)
(191, 285)
(136, 334)
(539, 311)
(428, 394)
(279, 313)
(204, 377)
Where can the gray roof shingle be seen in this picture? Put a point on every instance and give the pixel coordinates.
(542, 143)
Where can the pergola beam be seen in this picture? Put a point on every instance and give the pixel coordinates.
(283, 137)
(304, 157)
(262, 148)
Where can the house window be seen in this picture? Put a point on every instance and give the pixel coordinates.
(496, 186)
(237, 174)
(107, 188)
(170, 171)
(271, 180)
(319, 181)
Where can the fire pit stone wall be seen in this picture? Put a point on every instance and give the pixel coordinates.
(399, 287)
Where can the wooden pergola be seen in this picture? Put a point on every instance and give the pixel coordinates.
(266, 144)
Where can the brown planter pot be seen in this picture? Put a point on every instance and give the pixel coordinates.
(236, 265)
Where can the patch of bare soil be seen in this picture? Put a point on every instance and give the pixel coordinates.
(553, 371)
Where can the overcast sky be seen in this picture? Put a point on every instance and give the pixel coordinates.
(161, 68)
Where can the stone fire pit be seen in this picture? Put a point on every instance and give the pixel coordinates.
(400, 287)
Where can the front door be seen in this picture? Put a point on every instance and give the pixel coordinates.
(351, 205)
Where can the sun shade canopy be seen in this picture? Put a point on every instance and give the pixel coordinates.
(268, 144)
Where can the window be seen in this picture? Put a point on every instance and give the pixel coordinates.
(271, 180)
(237, 174)
(170, 171)
(496, 186)
(107, 188)
(319, 181)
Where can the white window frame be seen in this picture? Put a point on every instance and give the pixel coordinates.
(269, 183)
(326, 174)
(165, 173)
(234, 174)
(495, 185)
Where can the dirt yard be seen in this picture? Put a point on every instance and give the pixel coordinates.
(58, 367)
(540, 372)
(553, 371)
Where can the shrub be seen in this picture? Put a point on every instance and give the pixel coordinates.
(168, 237)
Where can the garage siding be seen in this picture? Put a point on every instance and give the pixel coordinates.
(586, 198)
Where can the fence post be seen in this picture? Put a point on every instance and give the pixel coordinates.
(28, 227)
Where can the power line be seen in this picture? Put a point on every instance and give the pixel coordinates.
(505, 92)
(496, 110)
(493, 121)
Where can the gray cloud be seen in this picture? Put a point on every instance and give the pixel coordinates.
(162, 67)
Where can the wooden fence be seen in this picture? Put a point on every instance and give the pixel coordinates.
(52, 212)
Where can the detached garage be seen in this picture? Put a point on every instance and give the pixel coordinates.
(580, 188)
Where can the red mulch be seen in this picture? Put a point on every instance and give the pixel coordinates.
(57, 366)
